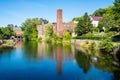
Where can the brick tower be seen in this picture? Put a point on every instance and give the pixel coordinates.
(59, 23)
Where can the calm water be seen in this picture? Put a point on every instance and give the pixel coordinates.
(42, 61)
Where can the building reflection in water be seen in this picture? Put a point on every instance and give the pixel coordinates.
(19, 44)
(59, 52)
(59, 57)
(41, 50)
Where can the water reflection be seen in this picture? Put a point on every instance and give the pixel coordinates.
(59, 52)
(117, 57)
(5, 52)
(30, 49)
(58, 62)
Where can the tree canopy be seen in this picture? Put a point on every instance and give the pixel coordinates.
(6, 32)
(48, 32)
(29, 28)
(99, 12)
(84, 25)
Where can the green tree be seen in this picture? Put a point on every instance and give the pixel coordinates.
(6, 32)
(106, 23)
(109, 11)
(29, 28)
(67, 36)
(99, 12)
(116, 11)
(1, 34)
(84, 25)
(76, 19)
(48, 32)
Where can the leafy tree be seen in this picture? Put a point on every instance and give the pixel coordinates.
(29, 28)
(76, 19)
(10, 25)
(109, 11)
(107, 46)
(116, 11)
(1, 34)
(84, 25)
(106, 23)
(6, 32)
(48, 32)
(67, 36)
(99, 12)
(45, 21)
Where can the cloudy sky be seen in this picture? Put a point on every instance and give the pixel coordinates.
(17, 11)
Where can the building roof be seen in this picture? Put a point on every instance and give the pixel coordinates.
(96, 18)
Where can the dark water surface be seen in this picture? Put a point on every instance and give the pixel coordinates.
(43, 61)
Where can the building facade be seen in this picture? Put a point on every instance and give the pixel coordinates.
(59, 27)
(18, 32)
(95, 20)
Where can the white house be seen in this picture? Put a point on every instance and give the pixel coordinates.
(95, 20)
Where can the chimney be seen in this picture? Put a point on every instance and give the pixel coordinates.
(59, 23)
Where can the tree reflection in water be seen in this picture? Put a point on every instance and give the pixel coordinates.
(84, 58)
(105, 62)
(30, 49)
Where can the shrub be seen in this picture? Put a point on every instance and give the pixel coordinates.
(56, 38)
(109, 34)
(67, 36)
(106, 46)
(93, 45)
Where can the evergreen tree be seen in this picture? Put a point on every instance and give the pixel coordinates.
(84, 25)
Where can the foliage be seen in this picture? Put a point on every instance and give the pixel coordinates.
(107, 46)
(83, 60)
(29, 28)
(67, 36)
(6, 32)
(48, 32)
(99, 12)
(106, 23)
(116, 11)
(76, 19)
(84, 25)
(92, 36)
(92, 45)
(106, 63)
(56, 38)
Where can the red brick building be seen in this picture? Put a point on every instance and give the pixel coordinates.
(18, 32)
(59, 27)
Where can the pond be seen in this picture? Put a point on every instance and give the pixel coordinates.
(43, 61)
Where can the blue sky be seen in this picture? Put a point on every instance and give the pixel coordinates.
(17, 11)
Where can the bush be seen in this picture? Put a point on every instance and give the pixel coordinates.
(56, 38)
(93, 45)
(93, 36)
(110, 34)
(67, 36)
(106, 46)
